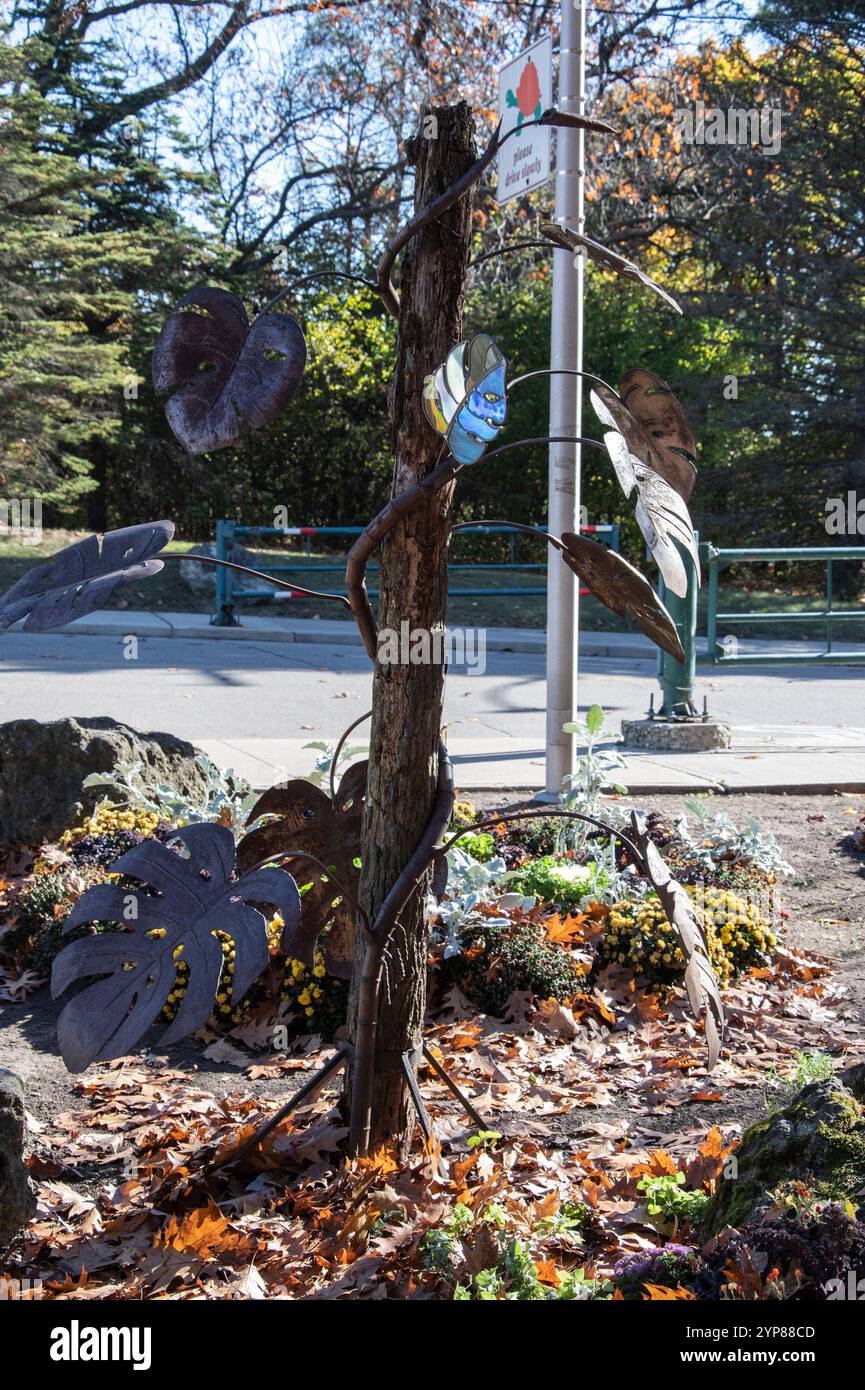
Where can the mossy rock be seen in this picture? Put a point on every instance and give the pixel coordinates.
(818, 1138)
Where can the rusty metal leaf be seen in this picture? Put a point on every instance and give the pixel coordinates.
(622, 589)
(661, 418)
(309, 823)
(553, 116)
(661, 513)
(187, 898)
(604, 257)
(228, 378)
(704, 993)
(83, 577)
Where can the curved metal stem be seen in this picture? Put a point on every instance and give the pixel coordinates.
(543, 439)
(339, 748)
(429, 214)
(609, 830)
(551, 116)
(257, 574)
(558, 371)
(511, 246)
(378, 528)
(536, 531)
(304, 854)
(366, 1025)
(316, 275)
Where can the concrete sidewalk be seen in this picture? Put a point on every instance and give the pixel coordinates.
(781, 758)
(223, 687)
(269, 628)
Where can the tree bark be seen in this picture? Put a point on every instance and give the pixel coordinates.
(407, 699)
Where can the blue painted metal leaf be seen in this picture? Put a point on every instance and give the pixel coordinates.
(188, 900)
(228, 378)
(83, 577)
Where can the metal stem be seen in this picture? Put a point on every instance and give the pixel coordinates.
(453, 1088)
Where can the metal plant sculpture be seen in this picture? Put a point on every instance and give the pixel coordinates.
(84, 577)
(190, 897)
(229, 378)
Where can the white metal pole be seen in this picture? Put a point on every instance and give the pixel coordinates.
(566, 350)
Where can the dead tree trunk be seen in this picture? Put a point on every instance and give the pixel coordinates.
(407, 699)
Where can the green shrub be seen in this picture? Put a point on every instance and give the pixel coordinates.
(557, 879)
(481, 846)
(666, 1197)
(41, 911)
(498, 960)
(637, 934)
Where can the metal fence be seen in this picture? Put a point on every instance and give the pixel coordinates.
(715, 560)
(228, 591)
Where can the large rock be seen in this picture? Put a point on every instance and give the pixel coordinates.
(818, 1138)
(43, 767)
(202, 578)
(17, 1203)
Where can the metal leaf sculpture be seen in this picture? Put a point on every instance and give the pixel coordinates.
(310, 823)
(661, 418)
(189, 901)
(622, 589)
(83, 577)
(604, 257)
(465, 399)
(227, 378)
(704, 993)
(662, 514)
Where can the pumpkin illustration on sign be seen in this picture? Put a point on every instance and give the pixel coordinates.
(527, 98)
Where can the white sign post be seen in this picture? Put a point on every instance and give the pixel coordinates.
(566, 416)
(525, 91)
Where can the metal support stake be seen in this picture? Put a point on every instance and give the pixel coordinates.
(453, 1088)
(676, 678)
(306, 1092)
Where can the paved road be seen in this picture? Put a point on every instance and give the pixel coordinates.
(231, 691)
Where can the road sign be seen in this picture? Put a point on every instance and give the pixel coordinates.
(525, 90)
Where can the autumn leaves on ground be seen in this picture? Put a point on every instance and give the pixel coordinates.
(605, 1136)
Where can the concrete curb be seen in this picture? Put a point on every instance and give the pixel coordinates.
(194, 627)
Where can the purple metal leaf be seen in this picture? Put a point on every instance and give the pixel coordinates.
(82, 578)
(309, 823)
(227, 378)
(188, 898)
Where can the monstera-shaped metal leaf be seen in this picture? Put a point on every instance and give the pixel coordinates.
(661, 513)
(310, 823)
(704, 993)
(227, 378)
(189, 901)
(604, 257)
(83, 577)
(622, 589)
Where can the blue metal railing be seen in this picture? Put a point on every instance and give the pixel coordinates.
(228, 590)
